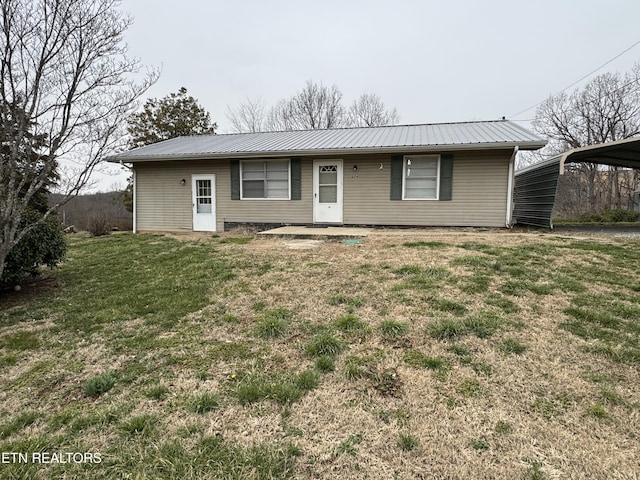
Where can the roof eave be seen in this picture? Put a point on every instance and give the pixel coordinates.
(530, 145)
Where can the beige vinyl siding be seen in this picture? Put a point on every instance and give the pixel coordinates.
(163, 204)
(267, 211)
(480, 182)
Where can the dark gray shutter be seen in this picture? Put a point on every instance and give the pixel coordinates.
(446, 176)
(296, 178)
(235, 179)
(396, 177)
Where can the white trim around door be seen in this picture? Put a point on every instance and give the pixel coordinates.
(203, 191)
(327, 191)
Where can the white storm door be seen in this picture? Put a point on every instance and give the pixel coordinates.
(204, 203)
(327, 191)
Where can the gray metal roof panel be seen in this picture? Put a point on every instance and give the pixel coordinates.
(491, 134)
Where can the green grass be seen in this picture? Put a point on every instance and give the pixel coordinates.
(503, 428)
(442, 305)
(203, 402)
(324, 344)
(392, 329)
(610, 325)
(157, 392)
(348, 446)
(20, 341)
(598, 411)
(237, 240)
(417, 359)
(407, 442)
(271, 327)
(352, 326)
(196, 359)
(140, 425)
(423, 244)
(325, 364)
(512, 346)
(96, 386)
(284, 388)
(342, 299)
(482, 325)
(479, 444)
(19, 422)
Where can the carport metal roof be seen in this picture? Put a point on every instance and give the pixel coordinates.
(535, 187)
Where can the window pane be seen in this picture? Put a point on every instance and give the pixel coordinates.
(265, 179)
(252, 167)
(328, 178)
(328, 194)
(203, 187)
(420, 193)
(421, 177)
(426, 171)
(420, 183)
(253, 189)
(253, 175)
(280, 165)
(204, 205)
(278, 189)
(277, 175)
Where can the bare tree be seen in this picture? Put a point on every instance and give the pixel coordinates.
(249, 116)
(315, 107)
(606, 109)
(65, 95)
(369, 111)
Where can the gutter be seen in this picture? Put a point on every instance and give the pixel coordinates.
(135, 223)
(123, 157)
(512, 162)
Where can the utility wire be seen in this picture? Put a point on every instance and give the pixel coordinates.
(582, 78)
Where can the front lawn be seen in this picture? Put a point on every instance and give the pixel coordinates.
(484, 355)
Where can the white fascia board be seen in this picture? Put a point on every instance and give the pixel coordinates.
(322, 152)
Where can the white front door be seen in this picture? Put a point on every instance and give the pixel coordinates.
(327, 191)
(204, 203)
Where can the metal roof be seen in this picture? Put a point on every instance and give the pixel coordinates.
(621, 153)
(536, 186)
(396, 138)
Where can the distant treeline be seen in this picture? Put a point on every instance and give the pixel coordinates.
(87, 212)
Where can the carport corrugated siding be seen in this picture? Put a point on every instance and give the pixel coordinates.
(535, 193)
(480, 182)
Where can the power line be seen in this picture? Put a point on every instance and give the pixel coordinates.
(581, 78)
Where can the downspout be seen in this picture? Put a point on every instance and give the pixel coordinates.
(135, 223)
(512, 162)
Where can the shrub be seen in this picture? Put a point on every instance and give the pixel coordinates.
(98, 224)
(608, 216)
(42, 245)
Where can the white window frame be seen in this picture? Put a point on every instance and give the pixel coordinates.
(404, 175)
(263, 161)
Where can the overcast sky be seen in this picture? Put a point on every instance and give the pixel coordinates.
(435, 61)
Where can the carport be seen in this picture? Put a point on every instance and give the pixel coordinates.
(535, 187)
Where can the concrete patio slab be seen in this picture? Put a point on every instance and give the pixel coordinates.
(315, 232)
